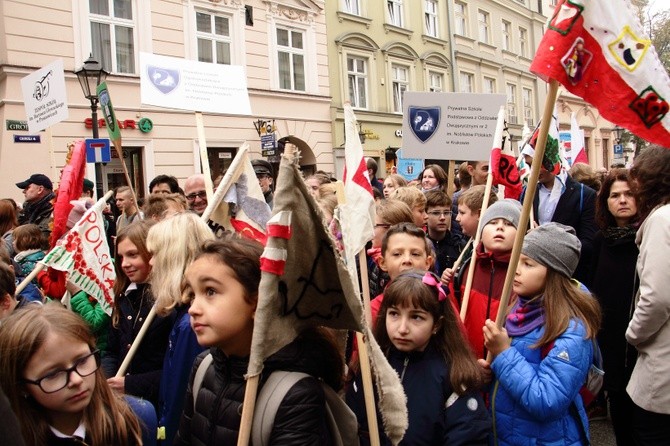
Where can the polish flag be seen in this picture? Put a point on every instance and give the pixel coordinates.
(357, 214)
(577, 141)
(598, 51)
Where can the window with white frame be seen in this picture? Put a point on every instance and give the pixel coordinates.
(467, 82)
(461, 18)
(489, 85)
(511, 104)
(357, 74)
(213, 37)
(394, 8)
(506, 35)
(399, 85)
(352, 6)
(483, 20)
(113, 32)
(291, 59)
(431, 15)
(523, 42)
(527, 98)
(435, 81)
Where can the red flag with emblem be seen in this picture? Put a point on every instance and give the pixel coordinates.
(503, 167)
(70, 188)
(598, 51)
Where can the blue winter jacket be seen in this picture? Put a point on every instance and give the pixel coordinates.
(536, 401)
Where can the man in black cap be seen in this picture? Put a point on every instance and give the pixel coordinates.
(264, 174)
(37, 208)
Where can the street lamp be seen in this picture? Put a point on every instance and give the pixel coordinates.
(90, 76)
(618, 132)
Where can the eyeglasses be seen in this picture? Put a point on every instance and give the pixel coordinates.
(382, 225)
(59, 379)
(439, 213)
(202, 195)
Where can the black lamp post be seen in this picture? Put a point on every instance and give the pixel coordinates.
(90, 76)
(618, 132)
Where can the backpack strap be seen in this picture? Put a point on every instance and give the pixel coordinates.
(269, 398)
(200, 376)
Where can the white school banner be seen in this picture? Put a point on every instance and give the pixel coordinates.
(449, 126)
(191, 85)
(44, 96)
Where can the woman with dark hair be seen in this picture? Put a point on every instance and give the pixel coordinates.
(649, 328)
(8, 221)
(614, 284)
(433, 177)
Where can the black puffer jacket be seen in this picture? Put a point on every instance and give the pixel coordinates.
(144, 372)
(300, 419)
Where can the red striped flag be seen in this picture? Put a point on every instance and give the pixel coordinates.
(598, 51)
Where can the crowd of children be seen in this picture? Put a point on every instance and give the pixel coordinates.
(467, 381)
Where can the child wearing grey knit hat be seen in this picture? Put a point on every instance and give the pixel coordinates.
(555, 246)
(508, 209)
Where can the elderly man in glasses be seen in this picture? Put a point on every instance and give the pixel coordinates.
(196, 196)
(447, 245)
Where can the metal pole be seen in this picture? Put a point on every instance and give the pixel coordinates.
(94, 116)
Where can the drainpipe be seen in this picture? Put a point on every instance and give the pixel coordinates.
(451, 47)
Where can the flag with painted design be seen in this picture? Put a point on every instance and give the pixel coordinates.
(84, 255)
(70, 187)
(304, 281)
(238, 204)
(357, 214)
(599, 51)
(553, 161)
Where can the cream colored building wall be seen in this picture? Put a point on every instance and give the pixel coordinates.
(38, 32)
(370, 35)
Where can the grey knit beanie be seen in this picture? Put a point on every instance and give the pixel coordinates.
(508, 209)
(555, 246)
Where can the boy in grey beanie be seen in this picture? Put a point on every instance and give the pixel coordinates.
(508, 209)
(555, 246)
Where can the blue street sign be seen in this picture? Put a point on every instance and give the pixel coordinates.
(27, 138)
(618, 149)
(98, 151)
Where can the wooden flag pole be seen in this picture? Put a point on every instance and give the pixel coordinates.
(527, 203)
(228, 179)
(460, 258)
(40, 266)
(497, 139)
(364, 358)
(136, 342)
(473, 258)
(204, 157)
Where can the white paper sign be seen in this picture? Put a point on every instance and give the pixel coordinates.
(190, 85)
(449, 126)
(45, 97)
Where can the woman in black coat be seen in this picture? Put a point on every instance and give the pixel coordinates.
(614, 283)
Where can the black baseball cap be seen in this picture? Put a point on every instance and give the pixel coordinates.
(262, 167)
(36, 178)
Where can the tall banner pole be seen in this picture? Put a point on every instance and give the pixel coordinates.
(527, 203)
(204, 157)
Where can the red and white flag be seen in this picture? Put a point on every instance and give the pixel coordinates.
(577, 141)
(69, 188)
(357, 214)
(238, 204)
(598, 51)
(503, 164)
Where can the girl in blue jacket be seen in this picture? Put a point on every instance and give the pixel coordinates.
(543, 354)
(423, 340)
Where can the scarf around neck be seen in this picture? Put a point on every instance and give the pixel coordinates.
(525, 316)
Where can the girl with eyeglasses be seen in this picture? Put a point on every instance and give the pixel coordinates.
(50, 372)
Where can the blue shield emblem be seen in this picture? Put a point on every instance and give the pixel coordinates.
(424, 121)
(164, 79)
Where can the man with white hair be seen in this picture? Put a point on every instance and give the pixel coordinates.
(195, 192)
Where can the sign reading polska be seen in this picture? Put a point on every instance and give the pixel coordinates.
(449, 125)
(44, 96)
(190, 85)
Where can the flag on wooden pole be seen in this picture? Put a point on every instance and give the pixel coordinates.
(577, 141)
(503, 166)
(84, 254)
(599, 51)
(70, 187)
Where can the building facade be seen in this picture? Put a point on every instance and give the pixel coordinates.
(281, 45)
